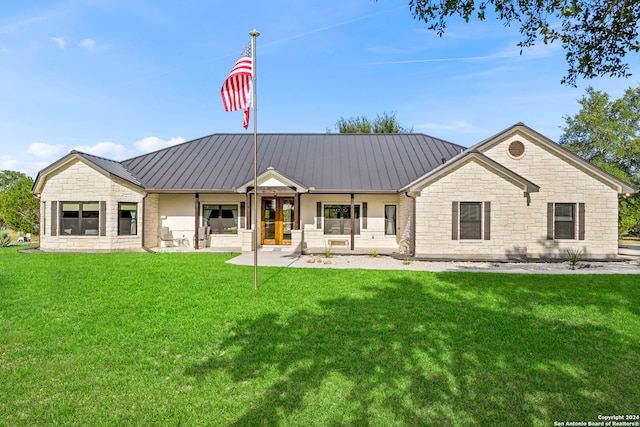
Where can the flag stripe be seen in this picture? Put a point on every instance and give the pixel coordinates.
(245, 122)
(237, 87)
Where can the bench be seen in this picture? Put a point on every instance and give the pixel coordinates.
(339, 242)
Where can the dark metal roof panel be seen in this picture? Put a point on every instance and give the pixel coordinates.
(110, 166)
(367, 162)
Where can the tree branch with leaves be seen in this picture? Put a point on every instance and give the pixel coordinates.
(596, 35)
(606, 133)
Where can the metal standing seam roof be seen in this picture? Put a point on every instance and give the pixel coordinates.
(110, 166)
(326, 162)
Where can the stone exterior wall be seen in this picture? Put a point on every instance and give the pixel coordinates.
(518, 225)
(151, 220)
(562, 182)
(78, 182)
(470, 183)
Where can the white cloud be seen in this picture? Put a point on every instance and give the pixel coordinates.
(29, 168)
(88, 44)
(60, 41)
(4, 49)
(107, 149)
(153, 143)
(39, 149)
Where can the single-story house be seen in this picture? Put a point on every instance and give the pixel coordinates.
(516, 194)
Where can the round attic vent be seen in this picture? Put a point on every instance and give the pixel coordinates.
(516, 149)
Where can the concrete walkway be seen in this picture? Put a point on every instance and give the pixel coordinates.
(272, 257)
(283, 257)
(631, 250)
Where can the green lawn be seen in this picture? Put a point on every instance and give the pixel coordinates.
(183, 339)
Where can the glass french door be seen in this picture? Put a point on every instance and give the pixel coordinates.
(277, 220)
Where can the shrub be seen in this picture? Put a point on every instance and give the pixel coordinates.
(5, 240)
(574, 256)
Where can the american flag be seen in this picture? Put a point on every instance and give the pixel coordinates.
(236, 90)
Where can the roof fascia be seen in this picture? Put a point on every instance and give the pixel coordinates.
(271, 172)
(353, 191)
(67, 161)
(189, 191)
(473, 156)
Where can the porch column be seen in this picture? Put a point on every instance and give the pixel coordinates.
(353, 221)
(296, 211)
(197, 222)
(247, 211)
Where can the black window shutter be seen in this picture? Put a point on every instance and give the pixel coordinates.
(580, 221)
(241, 222)
(54, 218)
(549, 221)
(318, 215)
(103, 218)
(487, 220)
(454, 220)
(364, 215)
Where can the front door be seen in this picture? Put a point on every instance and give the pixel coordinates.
(277, 220)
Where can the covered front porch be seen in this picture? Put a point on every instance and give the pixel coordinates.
(281, 213)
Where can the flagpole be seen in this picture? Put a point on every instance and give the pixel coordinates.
(254, 34)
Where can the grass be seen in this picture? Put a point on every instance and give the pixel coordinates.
(183, 339)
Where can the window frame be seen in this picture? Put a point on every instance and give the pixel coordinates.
(563, 224)
(86, 223)
(477, 223)
(387, 220)
(134, 219)
(221, 220)
(341, 221)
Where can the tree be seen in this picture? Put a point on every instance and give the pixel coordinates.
(596, 35)
(18, 207)
(607, 134)
(387, 123)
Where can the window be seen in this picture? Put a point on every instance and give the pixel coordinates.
(127, 219)
(222, 219)
(390, 219)
(565, 221)
(80, 218)
(470, 220)
(337, 219)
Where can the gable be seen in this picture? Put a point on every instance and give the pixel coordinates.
(75, 180)
(458, 164)
(109, 169)
(273, 179)
(536, 157)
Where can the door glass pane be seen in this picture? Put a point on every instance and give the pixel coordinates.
(287, 219)
(269, 219)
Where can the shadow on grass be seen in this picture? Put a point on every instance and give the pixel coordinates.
(447, 352)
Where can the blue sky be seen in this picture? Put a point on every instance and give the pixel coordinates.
(119, 78)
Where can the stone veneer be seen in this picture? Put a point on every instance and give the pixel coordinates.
(78, 182)
(518, 226)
